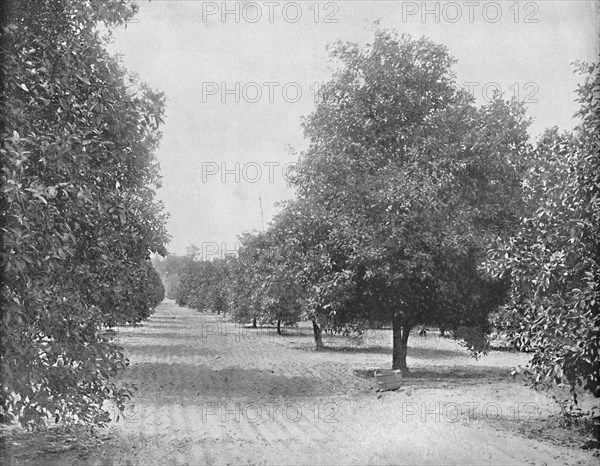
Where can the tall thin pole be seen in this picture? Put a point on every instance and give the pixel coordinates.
(262, 217)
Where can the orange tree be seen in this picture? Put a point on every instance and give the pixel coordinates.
(314, 264)
(553, 259)
(79, 217)
(205, 285)
(414, 180)
(263, 290)
(297, 270)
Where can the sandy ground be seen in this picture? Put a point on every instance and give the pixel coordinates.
(214, 392)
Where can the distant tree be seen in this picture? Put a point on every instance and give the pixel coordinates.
(268, 292)
(243, 302)
(155, 288)
(191, 285)
(169, 269)
(287, 271)
(205, 285)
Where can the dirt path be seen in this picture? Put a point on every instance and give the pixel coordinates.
(212, 392)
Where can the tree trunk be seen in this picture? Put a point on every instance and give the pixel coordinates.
(318, 334)
(254, 323)
(400, 338)
(279, 327)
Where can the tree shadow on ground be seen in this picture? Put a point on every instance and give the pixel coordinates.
(177, 336)
(454, 374)
(356, 349)
(175, 350)
(172, 324)
(166, 384)
(417, 353)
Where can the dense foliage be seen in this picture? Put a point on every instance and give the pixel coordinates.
(79, 217)
(203, 286)
(413, 180)
(553, 260)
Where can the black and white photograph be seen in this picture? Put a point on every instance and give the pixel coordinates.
(308, 232)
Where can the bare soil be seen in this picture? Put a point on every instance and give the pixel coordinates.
(214, 392)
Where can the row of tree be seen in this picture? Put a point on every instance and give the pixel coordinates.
(402, 188)
(79, 216)
(416, 206)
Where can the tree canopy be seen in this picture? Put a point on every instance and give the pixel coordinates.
(415, 179)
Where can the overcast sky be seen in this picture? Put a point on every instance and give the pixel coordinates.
(238, 76)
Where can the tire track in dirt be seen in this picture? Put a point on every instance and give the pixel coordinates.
(213, 392)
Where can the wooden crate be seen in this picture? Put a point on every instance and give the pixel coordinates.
(387, 379)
